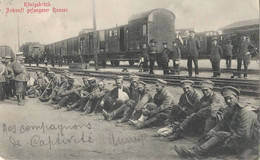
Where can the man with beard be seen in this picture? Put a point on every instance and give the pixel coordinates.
(116, 97)
(157, 111)
(205, 116)
(125, 111)
(188, 104)
(237, 133)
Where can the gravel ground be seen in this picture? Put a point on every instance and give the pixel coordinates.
(69, 135)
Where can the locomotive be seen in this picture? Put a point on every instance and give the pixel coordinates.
(120, 43)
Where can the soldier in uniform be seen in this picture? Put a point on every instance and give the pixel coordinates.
(244, 56)
(152, 51)
(145, 56)
(70, 94)
(123, 109)
(228, 51)
(176, 56)
(8, 78)
(116, 97)
(20, 78)
(165, 58)
(209, 112)
(158, 110)
(188, 104)
(207, 115)
(237, 133)
(193, 45)
(215, 57)
(2, 80)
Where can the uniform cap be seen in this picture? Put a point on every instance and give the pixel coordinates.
(7, 57)
(65, 72)
(186, 82)
(70, 77)
(152, 41)
(135, 78)
(51, 72)
(92, 80)
(207, 84)
(142, 83)
(229, 90)
(192, 32)
(161, 81)
(19, 54)
(119, 78)
(164, 43)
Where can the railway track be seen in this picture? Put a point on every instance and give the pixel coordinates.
(247, 87)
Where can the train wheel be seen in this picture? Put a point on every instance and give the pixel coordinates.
(117, 63)
(131, 63)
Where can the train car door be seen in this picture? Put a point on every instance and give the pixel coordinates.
(122, 39)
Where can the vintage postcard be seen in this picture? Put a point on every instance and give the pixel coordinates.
(129, 79)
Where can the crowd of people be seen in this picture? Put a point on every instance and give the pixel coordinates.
(150, 55)
(224, 125)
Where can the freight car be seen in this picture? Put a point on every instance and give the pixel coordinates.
(33, 52)
(120, 43)
(6, 51)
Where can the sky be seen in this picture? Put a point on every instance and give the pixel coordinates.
(50, 27)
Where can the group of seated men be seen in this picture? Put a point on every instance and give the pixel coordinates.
(221, 121)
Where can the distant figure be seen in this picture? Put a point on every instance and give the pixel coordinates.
(215, 57)
(165, 58)
(145, 57)
(244, 55)
(46, 62)
(176, 56)
(193, 55)
(152, 51)
(228, 50)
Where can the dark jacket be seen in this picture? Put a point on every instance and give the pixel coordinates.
(164, 101)
(19, 71)
(144, 98)
(216, 53)
(193, 45)
(243, 49)
(176, 53)
(165, 55)
(189, 102)
(145, 54)
(228, 50)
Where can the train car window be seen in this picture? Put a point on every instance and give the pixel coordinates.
(110, 33)
(101, 35)
(144, 30)
(115, 32)
(150, 18)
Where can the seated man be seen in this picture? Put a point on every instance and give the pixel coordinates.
(188, 104)
(134, 98)
(158, 110)
(116, 97)
(209, 113)
(238, 132)
(40, 84)
(95, 99)
(69, 94)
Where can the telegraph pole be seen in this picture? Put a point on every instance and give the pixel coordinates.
(18, 32)
(95, 40)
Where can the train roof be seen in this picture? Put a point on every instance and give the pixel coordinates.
(146, 14)
(241, 24)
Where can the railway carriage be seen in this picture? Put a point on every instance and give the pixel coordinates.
(120, 43)
(6, 51)
(33, 52)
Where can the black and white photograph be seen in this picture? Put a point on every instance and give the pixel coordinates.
(129, 80)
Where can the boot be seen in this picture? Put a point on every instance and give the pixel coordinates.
(127, 114)
(72, 106)
(177, 135)
(186, 152)
(106, 115)
(205, 147)
(141, 125)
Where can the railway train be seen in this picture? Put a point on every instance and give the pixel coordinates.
(123, 43)
(6, 51)
(120, 43)
(33, 52)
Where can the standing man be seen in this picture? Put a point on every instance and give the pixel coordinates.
(207, 115)
(237, 133)
(243, 56)
(176, 56)
(146, 57)
(20, 78)
(8, 78)
(215, 57)
(165, 58)
(193, 45)
(2, 80)
(152, 51)
(228, 54)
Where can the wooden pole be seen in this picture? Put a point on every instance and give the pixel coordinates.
(95, 40)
